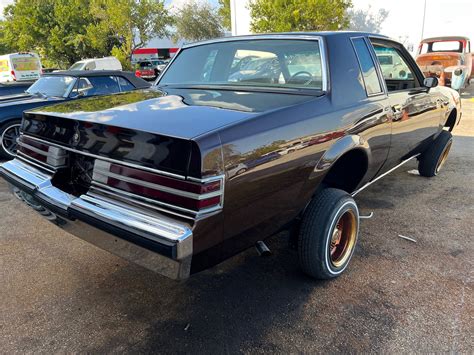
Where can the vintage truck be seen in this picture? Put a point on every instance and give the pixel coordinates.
(152, 176)
(448, 58)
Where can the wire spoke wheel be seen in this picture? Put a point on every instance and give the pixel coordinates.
(9, 138)
(343, 238)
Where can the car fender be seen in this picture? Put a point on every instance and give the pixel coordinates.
(338, 149)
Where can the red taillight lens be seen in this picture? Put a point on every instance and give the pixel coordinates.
(195, 196)
(13, 75)
(138, 73)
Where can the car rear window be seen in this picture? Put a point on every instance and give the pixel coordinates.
(249, 63)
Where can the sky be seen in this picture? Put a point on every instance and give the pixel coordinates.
(443, 17)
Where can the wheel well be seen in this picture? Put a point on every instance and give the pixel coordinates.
(347, 172)
(451, 121)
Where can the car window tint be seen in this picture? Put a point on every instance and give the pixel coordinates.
(251, 63)
(396, 71)
(99, 85)
(367, 66)
(125, 85)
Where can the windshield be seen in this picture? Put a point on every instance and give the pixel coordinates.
(273, 63)
(52, 86)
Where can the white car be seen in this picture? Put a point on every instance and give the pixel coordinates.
(107, 63)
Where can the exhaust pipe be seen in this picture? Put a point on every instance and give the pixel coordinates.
(262, 249)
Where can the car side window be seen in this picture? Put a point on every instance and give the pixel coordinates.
(395, 70)
(97, 85)
(367, 66)
(125, 85)
(90, 66)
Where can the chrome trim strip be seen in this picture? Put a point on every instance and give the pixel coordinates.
(106, 192)
(384, 174)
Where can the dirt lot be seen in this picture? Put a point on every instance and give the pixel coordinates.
(59, 294)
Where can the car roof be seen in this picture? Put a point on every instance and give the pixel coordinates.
(285, 35)
(137, 82)
(445, 38)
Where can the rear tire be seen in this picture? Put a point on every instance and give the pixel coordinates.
(433, 159)
(9, 133)
(328, 234)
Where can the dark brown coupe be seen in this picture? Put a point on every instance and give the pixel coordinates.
(241, 138)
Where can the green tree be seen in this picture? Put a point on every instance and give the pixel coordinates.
(65, 31)
(225, 14)
(195, 21)
(56, 29)
(298, 15)
(133, 23)
(4, 46)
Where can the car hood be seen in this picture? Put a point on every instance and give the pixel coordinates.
(182, 113)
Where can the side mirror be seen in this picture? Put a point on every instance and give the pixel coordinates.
(430, 82)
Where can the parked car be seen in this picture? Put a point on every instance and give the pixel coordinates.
(448, 58)
(146, 175)
(107, 63)
(54, 88)
(19, 67)
(146, 70)
(159, 64)
(8, 89)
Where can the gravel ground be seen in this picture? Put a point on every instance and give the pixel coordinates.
(59, 294)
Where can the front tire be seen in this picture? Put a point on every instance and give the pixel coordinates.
(433, 159)
(328, 234)
(9, 134)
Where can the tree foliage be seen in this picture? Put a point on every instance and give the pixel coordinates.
(225, 14)
(366, 20)
(298, 15)
(65, 31)
(195, 21)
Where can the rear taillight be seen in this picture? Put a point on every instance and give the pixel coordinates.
(13, 75)
(184, 194)
(138, 73)
(44, 153)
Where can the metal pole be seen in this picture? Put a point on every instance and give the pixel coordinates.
(423, 25)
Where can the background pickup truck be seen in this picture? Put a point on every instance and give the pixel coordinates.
(223, 153)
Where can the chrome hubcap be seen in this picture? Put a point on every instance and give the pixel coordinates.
(343, 239)
(443, 157)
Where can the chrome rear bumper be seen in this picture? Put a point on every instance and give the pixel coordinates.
(146, 238)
